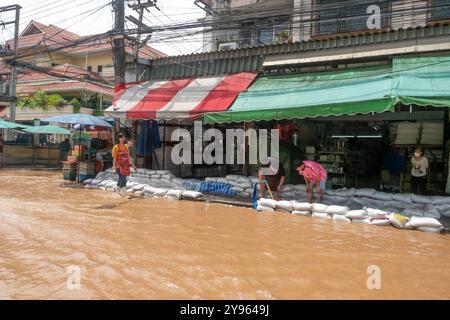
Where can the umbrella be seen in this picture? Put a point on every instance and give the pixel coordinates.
(47, 130)
(82, 120)
(11, 125)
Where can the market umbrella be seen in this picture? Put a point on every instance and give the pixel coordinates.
(82, 120)
(47, 130)
(11, 125)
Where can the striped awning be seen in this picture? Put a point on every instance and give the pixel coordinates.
(186, 98)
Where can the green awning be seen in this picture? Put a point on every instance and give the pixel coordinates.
(47, 130)
(276, 97)
(422, 81)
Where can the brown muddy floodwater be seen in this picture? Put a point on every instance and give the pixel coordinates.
(162, 249)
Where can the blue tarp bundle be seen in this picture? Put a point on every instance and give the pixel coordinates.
(219, 188)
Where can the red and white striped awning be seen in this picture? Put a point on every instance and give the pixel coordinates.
(185, 98)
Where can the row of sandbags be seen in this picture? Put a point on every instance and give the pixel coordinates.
(342, 213)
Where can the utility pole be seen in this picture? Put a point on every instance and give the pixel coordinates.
(119, 50)
(12, 88)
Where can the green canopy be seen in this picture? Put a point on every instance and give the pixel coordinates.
(11, 125)
(422, 81)
(47, 130)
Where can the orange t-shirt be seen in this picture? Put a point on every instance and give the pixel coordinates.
(115, 151)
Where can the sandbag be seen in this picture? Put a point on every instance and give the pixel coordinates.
(88, 181)
(339, 210)
(356, 214)
(130, 190)
(402, 197)
(300, 187)
(365, 192)
(408, 226)
(162, 172)
(103, 183)
(431, 212)
(263, 208)
(245, 185)
(322, 215)
(301, 213)
(319, 207)
(375, 213)
(155, 176)
(139, 187)
(159, 192)
(355, 203)
(244, 194)
(237, 189)
(410, 212)
(233, 177)
(102, 188)
(441, 200)
(382, 196)
(301, 206)
(338, 217)
(329, 192)
(192, 194)
(418, 222)
(244, 180)
(149, 190)
(286, 195)
(421, 199)
(210, 179)
(397, 206)
(268, 203)
(365, 220)
(111, 185)
(175, 194)
(222, 180)
(95, 182)
(139, 193)
(380, 222)
(254, 179)
(287, 187)
(431, 229)
(398, 220)
(345, 192)
(285, 205)
(444, 210)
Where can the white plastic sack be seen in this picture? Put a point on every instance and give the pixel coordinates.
(441, 200)
(339, 217)
(356, 214)
(398, 220)
(411, 212)
(155, 176)
(130, 190)
(402, 197)
(418, 222)
(301, 213)
(175, 194)
(431, 229)
(421, 199)
(374, 213)
(287, 187)
(285, 205)
(159, 192)
(192, 194)
(139, 193)
(233, 177)
(95, 182)
(263, 208)
(365, 193)
(88, 181)
(149, 190)
(111, 185)
(268, 203)
(300, 187)
(319, 207)
(237, 189)
(365, 220)
(345, 192)
(339, 210)
(444, 210)
(380, 222)
(301, 206)
(382, 196)
(139, 187)
(321, 215)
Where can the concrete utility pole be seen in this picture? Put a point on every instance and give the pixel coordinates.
(141, 28)
(12, 88)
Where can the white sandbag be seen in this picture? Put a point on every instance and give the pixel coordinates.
(355, 203)
(211, 179)
(380, 222)
(162, 172)
(431, 229)
(111, 184)
(244, 194)
(263, 208)
(244, 180)
(88, 181)
(319, 207)
(339, 210)
(300, 187)
(268, 203)
(149, 190)
(301, 206)
(192, 194)
(444, 210)
(245, 185)
(430, 211)
(356, 214)
(287, 195)
(365, 220)
(365, 193)
(95, 182)
(382, 196)
(177, 181)
(175, 194)
(254, 179)
(155, 176)
(139, 193)
(418, 222)
(237, 189)
(322, 215)
(111, 189)
(402, 197)
(287, 187)
(339, 217)
(339, 201)
(301, 213)
(159, 192)
(330, 192)
(139, 187)
(233, 177)
(130, 190)
(87, 186)
(441, 200)
(421, 199)
(374, 213)
(104, 183)
(285, 205)
(408, 226)
(102, 188)
(249, 191)
(398, 220)
(222, 180)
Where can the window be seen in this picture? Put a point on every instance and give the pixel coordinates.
(99, 69)
(89, 68)
(440, 9)
(349, 16)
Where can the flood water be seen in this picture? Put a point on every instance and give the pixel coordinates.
(163, 249)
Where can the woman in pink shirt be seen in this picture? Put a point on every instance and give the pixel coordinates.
(315, 175)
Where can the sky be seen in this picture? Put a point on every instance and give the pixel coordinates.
(83, 18)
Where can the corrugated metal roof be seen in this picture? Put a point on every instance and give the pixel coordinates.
(252, 58)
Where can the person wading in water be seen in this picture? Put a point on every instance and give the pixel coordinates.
(122, 161)
(315, 175)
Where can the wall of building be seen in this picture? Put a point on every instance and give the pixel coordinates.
(94, 61)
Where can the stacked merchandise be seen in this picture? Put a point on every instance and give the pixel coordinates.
(87, 170)
(69, 170)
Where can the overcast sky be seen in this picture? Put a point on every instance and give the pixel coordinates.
(81, 17)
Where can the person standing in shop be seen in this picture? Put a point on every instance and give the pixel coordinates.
(122, 161)
(419, 172)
